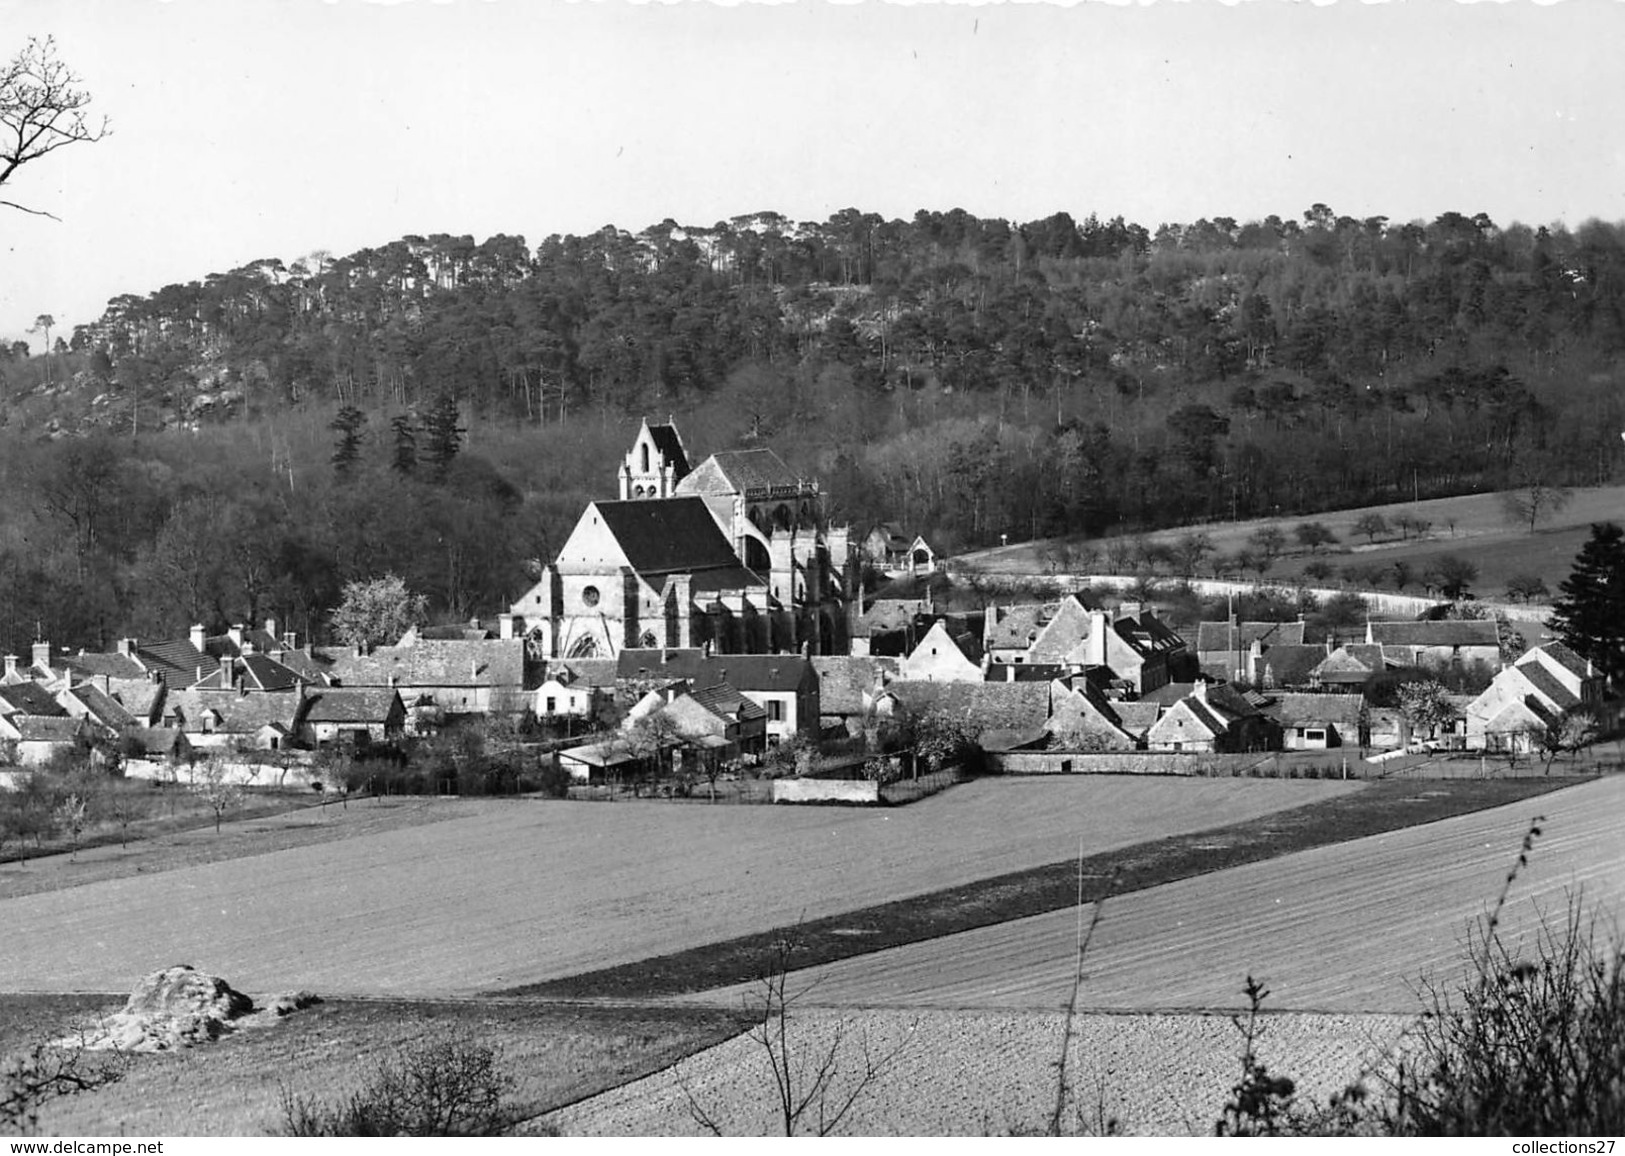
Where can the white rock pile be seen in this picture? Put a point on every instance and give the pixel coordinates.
(179, 1007)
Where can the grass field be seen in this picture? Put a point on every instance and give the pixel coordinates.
(1472, 526)
(1344, 928)
(517, 893)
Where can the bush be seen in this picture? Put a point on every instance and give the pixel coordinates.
(447, 1087)
(551, 779)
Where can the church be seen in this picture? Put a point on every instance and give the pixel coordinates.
(735, 554)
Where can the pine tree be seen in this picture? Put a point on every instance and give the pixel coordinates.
(347, 451)
(1590, 614)
(444, 435)
(405, 429)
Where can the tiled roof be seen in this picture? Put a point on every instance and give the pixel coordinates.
(351, 705)
(255, 671)
(1026, 671)
(586, 671)
(1567, 658)
(239, 713)
(1217, 636)
(157, 740)
(29, 698)
(734, 471)
(1136, 717)
(1297, 710)
(178, 659)
(434, 662)
(35, 728)
(671, 536)
(1546, 683)
(304, 664)
(102, 707)
(1289, 665)
(748, 672)
(1017, 627)
(138, 696)
(670, 446)
(844, 681)
(724, 701)
(1147, 633)
(112, 665)
(1002, 705)
(1353, 663)
(886, 616)
(1444, 632)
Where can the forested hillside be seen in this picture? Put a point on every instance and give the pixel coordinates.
(255, 438)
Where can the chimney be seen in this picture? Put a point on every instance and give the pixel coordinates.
(236, 634)
(227, 672)
(270, 627)
(197, 637)
(1010, 673)
(11, 667)
(290, 640)
(127, 646)
(504, 625)
(392, 680)
(42, 655)
(473, 670)
(1199, 689)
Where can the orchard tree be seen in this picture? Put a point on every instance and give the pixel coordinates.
(1533, 502)
(1589, 614)
(1314, 535)
(377, 611)
(1527, 587)
(1371, 525)
(42, 109)
(1450, 575)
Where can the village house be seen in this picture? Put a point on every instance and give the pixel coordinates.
(1528, 697)
(1232, 651)
(1133, 643)
(941, 656)
(353, 716)
(1441, 642)
(785, 686)
(1082, 719)
(448, 677)
(892, 552)
(223, 720)
(1002, 706)
(848, 686)
(1348, 667)
(574, 691)
(1317, 722)
(1209, 718)
(33, 740)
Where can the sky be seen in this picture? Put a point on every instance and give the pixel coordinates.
(246, 129)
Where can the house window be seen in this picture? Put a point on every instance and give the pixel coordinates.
(1314, 736)
(775, 711)
(551, 705)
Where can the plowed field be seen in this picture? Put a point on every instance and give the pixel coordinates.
(519, 893)
(1347, 928)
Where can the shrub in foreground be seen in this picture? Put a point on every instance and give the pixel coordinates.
(447, 1087)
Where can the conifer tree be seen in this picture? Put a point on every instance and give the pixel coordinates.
(1590, 613)
(443, 434)
(347, 450)
(405, 429)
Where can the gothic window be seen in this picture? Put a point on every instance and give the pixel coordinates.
(645, 449)
(648, 641)
(584, 647)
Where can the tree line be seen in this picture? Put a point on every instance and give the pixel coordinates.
(970, 378)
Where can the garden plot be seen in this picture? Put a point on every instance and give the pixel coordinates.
(523, 892)
(1346, 928)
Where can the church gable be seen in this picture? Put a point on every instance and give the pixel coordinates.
(592, 542)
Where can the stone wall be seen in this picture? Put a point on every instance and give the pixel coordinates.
(826, 791)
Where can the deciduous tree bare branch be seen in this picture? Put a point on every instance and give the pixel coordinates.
(42, 109)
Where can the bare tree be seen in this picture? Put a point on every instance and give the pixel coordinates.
(43, 1073)
(212, 781)
(42, 109)
(812, 1088)
(1534, 501)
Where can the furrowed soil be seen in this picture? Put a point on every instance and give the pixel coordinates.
(1379, 807)
(508, 893)
(1345, 928)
